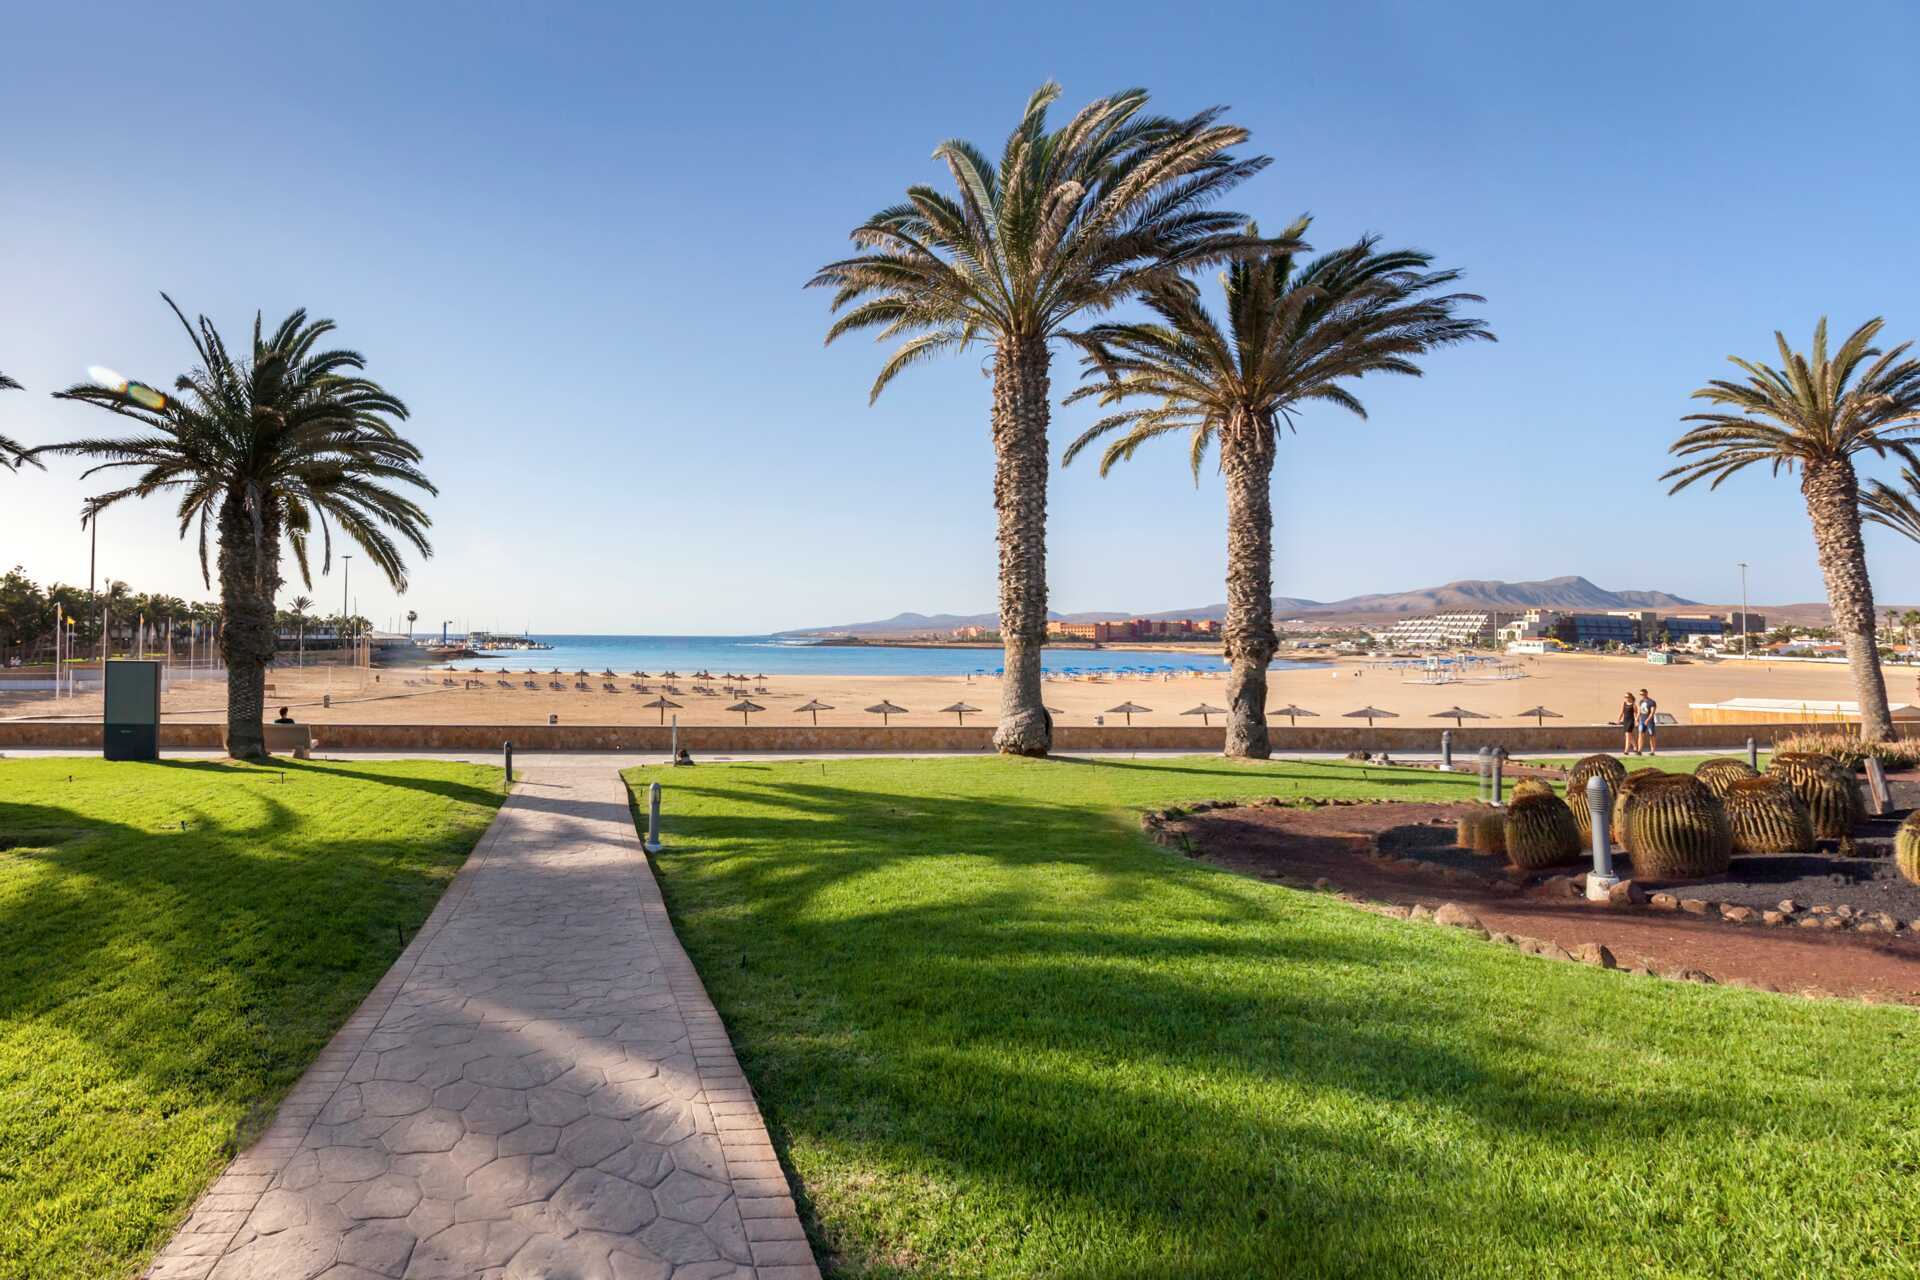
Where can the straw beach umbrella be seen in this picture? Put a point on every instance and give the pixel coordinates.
(1290, 711)
(1371, 714)
(813, 705)
(661, 705)
(884, 709)
(961, 710)
(1540, 715)
(1204, 711)
(745, 708)
(1128, 709)
(1458, 714)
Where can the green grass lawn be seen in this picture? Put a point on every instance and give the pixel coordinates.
(161, 987)
(997, 1033)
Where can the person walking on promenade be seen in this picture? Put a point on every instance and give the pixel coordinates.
(1649, 711)
(1629, 719)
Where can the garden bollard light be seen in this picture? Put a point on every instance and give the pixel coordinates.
(1446, 751)
(1600, 806)
(1753, 756)
(653, 817)
(507, 747)
(1499, 760)
(1486, 771)
(673, 748)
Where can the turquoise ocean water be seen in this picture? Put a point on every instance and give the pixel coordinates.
(752, 655)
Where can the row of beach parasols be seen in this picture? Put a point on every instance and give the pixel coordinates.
(887, 710)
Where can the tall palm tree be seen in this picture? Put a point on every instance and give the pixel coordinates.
(1293, 334)
(299, 606)
(285, 441)
(12, 453)
(413, 615)
(1071, 222)
(1813, 414)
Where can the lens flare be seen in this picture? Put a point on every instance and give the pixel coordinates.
(145, 396)
(138, 392)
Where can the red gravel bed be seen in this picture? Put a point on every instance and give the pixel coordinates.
(1337, 844)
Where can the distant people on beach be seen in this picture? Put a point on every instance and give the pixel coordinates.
(285, 716)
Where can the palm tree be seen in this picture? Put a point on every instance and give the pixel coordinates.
(413, 616)
(282, 442)
(1070, 222)
(12, 452)
(1813, 414)
(1293, 334)
(299, 606)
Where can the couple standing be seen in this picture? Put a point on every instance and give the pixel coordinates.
(1637, 722)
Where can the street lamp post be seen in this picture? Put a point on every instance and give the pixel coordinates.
(1746, 648)
(346, 572)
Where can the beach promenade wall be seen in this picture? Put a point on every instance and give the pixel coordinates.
(825, 739)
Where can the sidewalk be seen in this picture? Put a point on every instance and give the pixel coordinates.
(538, 1088)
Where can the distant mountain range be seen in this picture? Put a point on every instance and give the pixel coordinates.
(1570, 592)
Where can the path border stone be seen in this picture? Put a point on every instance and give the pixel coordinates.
(776, 1239)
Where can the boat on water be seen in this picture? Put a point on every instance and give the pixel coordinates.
(486, 642)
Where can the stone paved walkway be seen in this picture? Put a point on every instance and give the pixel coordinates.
(539, 1088)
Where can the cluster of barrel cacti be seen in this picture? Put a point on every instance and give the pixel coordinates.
(1582, 773)
(1825, 786)
(1677, 830)
(1720, 773)
(1766, 816)
(1540, 831)
(1906, 847)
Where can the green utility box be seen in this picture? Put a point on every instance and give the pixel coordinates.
(132, 722)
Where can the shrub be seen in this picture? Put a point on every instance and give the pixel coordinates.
(1678, 830)
(1766, 817)
(1717, 774)
(1903, 753)
(1906, 847)
(1539, 832)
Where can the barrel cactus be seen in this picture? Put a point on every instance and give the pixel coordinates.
(1721, 772)
(1623, 799)
(1825, 786)
(1489, 832)
(1582, 773)
(1766, 817)
(1532, 787)
(1906, 847)
(1540, 832)
(1677, 830)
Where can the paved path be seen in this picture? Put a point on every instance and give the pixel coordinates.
(538, 1088)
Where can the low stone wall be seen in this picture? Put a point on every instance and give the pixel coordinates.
(731, 739)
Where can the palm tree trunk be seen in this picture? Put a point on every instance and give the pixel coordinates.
(1833, 504)
(1247, 460)
(249, 580)
(1020, 410)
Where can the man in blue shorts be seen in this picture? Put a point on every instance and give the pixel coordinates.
(1649, 710)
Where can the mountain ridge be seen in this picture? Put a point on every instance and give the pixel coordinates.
(1570, 591)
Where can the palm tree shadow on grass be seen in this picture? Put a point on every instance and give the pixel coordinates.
(1044, 1014)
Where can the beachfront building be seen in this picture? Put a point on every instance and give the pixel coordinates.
(1453, 629)
(1694, 630)
(1136, 629)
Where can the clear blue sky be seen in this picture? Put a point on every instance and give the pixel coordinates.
(574, 237)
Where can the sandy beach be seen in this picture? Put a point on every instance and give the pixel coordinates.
(1584, 689)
